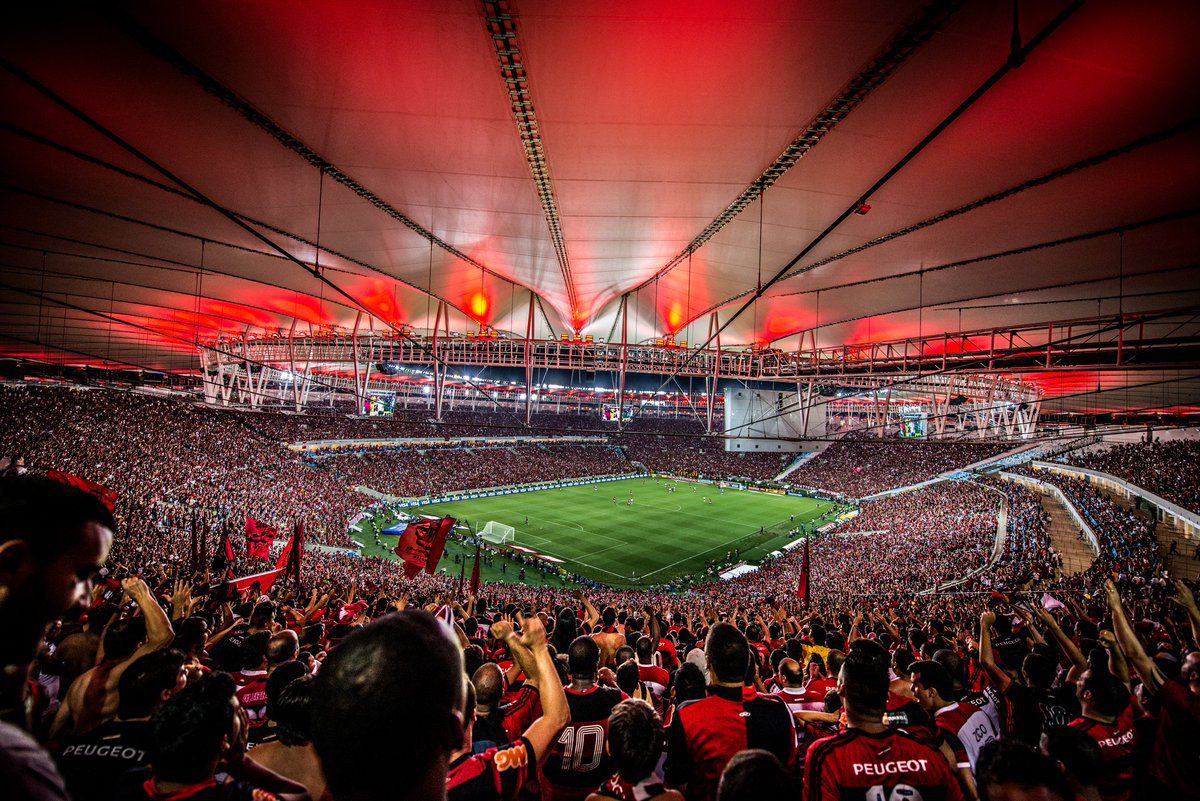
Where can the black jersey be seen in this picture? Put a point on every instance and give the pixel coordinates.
(91, 764)
(578, 761)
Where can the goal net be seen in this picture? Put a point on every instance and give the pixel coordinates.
(497, 533)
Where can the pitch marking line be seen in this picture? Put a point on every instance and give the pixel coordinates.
(698, 555)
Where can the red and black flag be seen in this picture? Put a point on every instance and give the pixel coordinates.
(293, 552)
(438, 547)
(475, 573)
(259, 537)
(224, 558)
(803, 587)
(259, 581)
(422, 543)
(462, 576)
(103, 494)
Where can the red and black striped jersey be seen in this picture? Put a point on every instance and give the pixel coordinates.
(858, 766)
(906, 714)
(520, 713)
(578, 761)
(1117, 741)
(705, 735)
(967, 729)
(498, 774)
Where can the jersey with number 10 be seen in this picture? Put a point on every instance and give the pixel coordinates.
(578, 762)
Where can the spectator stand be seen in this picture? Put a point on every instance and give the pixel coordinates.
(467, 495)
(997, 546)
(1177, 529)
(1048, 486)
(800, 461)
(422, 443)
(1184, 520)
(955, 474)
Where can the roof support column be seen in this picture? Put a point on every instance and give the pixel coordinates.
(714, 336)
(251, 388)
(1035, 410)
(984, 413)
(359, 389)
(885, 410)
(292, 363)
(624, 362)
(941, 410)
(529, 362)
(226, 376)
(804, 393)
(208, 382)
(439, 370)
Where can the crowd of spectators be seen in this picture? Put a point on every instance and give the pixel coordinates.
(170, 461)
(155, 683)
(160, 681)
(1128, 545)
(419, 422)
(1169, 469)
(412, 473)
(155, 451)
(895, 547)
(703, 457)
(861, 466)
(1028, 557)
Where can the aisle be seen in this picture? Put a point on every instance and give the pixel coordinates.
(1182, 565)
(1076, 554)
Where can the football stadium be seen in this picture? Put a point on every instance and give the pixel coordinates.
(512, 400)
(632, 531)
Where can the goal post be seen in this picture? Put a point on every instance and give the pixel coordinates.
(497, 533)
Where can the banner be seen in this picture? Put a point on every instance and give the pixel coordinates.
(422, 543)
(1050, 603)
(293, 552)
(224, 558)
(264, 581)
(439, 544)
(802, 588)
(105, 495)
(475, 574)
(259, 537)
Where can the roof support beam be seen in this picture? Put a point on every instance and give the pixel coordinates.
(229, 97)
(502, 27)
(898, 50)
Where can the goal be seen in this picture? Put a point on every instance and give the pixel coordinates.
(497, 533)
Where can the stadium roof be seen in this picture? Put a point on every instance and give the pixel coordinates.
(175, 170)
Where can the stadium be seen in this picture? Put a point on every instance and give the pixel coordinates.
(527, 400)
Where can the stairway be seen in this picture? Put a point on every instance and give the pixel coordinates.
(1076, 554)
(1181, 565)
(803, 459)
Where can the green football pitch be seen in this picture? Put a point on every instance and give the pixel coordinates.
(661, 536)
